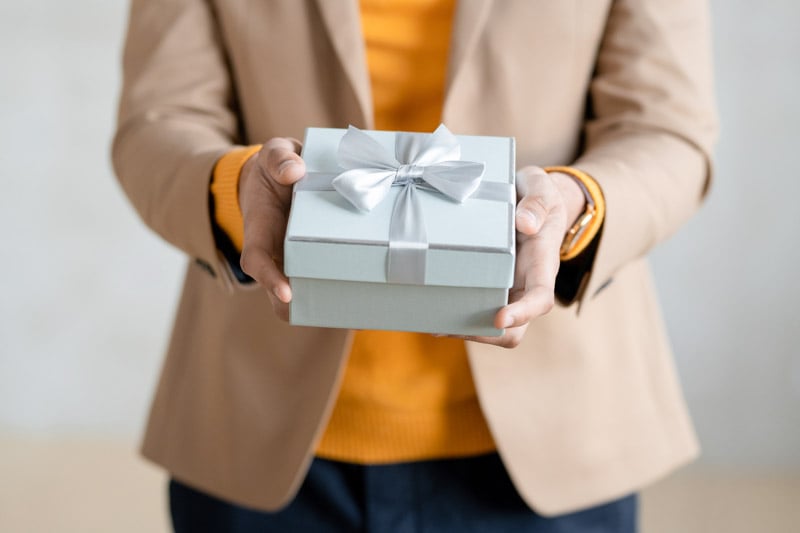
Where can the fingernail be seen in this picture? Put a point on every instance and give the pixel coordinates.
(286, 164)
(277, 292)
(527, 215)
(524, 214)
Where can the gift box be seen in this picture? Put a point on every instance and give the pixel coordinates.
(402, 231)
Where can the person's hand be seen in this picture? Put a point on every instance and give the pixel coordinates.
(550, 204)
(265, 195)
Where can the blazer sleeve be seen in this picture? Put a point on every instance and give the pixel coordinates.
(176, 118)
(651, 127)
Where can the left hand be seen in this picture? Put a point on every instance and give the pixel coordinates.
(550, 204)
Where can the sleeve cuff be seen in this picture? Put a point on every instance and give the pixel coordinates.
(225, 193)
(590, 186)
(577, 263)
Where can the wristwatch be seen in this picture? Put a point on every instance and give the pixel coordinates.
(585, 227)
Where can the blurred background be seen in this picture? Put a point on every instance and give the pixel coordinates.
(88, 293)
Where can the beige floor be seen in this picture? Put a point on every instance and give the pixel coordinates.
(87, 486)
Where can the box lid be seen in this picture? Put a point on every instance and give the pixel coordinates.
(470, 244)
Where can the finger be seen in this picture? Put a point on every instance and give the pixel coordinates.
(528, 179)
(535, 302)
(511, 338)
(538, 256)
(538, 262)
(531, 214)
(260, 265)
(539, 198)
(280, 161)
(535, 282)
(281, 309)
(262, 252)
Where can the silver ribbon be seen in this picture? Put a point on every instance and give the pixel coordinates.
(430, 162)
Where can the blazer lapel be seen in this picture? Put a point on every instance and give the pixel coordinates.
(343, 24)
(470, 20)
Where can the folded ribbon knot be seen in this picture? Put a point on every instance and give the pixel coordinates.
(407, 174)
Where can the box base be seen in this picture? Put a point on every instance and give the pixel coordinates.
(385, 306)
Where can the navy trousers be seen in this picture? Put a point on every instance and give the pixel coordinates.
(452, 495)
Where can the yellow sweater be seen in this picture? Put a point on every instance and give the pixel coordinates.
(405, 396)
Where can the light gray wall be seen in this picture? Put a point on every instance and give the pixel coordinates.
(88, 293)
(729, 280)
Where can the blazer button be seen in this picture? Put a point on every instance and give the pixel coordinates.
(206, 267)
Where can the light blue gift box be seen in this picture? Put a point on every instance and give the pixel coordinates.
(337, 256)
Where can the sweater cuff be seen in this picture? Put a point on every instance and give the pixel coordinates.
(573, 273)
(592, 188)
(225, 192)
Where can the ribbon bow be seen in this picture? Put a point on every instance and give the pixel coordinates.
(429, 162)
(426, 161)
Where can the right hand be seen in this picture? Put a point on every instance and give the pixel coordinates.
(265, 195)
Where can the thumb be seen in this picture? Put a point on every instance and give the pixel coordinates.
(280, 161)
(537, 200)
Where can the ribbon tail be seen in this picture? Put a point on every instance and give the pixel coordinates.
(408, 241)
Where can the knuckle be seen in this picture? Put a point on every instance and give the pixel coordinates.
(262, 158)
(280, 309)
(535, 205)
(246, 261)
(548, 302)
(274, 158)
(277, 142)
(511, 343)
(251, 262)
(533, 170)
(530, 176)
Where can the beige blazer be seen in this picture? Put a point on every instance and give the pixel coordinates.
(588, 408)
